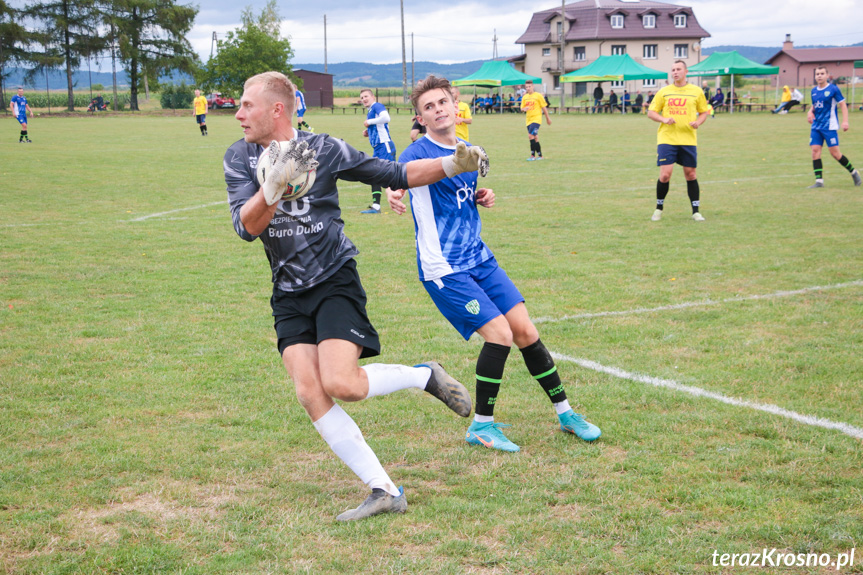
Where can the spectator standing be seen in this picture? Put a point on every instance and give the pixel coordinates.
(598, 95)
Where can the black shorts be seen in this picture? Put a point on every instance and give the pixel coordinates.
(334, 309)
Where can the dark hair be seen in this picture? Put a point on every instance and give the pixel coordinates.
(427, 85)
(681, 62)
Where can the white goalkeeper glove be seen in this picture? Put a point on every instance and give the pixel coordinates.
(466, 159)
(281, 164)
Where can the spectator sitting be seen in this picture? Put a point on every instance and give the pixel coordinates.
(639, 101)
(612, 102)
(648, 102)
(627, 101)
(718, 99)
(786, 97)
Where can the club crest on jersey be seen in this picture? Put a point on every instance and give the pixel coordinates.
(472, 307)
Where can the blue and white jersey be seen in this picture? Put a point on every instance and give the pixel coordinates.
(19, 106)
(378, 133)
(824, 107)
(301, 103)
(446, 218)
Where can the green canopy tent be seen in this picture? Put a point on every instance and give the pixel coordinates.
(730, 64)
(614, 68)
(495, 74)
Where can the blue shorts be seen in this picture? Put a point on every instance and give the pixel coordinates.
(533, 129)
(686, 156)
(386, 151)
(22, 119)
(300, 113)
(201, 118)
(471, 299)
(818, 137)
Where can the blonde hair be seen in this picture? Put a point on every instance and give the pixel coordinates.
(277, 87)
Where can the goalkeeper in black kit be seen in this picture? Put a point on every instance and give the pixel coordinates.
(318, 301)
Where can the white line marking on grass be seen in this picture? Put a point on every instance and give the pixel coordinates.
(142, 218)
(700, 303)
(698, 392)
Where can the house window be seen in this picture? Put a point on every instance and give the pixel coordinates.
(559, 31)
(546, 51)
(649, 20)
(648, 84)
(619, 50)
(681, 50)
(556, 82)
(650, 51)
(579, 54)
(680, 20)
(617, 20)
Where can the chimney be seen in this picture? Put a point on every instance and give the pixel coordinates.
(788, 44)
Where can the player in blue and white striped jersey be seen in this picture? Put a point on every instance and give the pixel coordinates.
(378, 131)
(462, 276)
(825, 126)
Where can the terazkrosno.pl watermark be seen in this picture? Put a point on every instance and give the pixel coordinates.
(776, 558)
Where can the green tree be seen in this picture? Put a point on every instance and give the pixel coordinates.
(151, 35)
(14, 40)
(256, 47)
(71, 28)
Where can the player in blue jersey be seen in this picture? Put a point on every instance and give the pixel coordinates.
(318, 301)
(825, 126)
(20, 108)
(378, 131)
(301, 111)
(462, 277)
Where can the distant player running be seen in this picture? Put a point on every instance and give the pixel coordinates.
(822, 115)
(464, 280)
(681, 108)
(20, 108)
(378, 132)
(200, 105)
(301, 111)
(534, 105)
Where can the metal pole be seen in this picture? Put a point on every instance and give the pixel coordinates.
(404, 58)
(325, 43)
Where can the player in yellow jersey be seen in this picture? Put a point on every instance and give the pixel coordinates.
(534, 105)
(200, 108)
(680, 108)
(463, 118)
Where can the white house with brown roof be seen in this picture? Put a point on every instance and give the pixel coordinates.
(797, 65)
(652, 33)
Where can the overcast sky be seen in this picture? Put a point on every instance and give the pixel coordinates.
(463, 30)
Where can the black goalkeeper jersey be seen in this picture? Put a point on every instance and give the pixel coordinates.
(305, 241)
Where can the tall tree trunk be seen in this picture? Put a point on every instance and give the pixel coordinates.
(133, 80)
(67, 52)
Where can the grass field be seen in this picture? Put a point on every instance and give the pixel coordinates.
(148, 426)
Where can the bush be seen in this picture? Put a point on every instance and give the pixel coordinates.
(176, 97)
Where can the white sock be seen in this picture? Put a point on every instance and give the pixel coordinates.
(385, 378)
(346, 440)
(483, 418)
(562, 407)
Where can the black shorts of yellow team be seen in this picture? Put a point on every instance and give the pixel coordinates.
(686, 156)
(333, 309)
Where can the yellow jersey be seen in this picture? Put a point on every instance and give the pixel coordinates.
(684, 105)
(533, 104)
(462, 130)
(200, 105)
